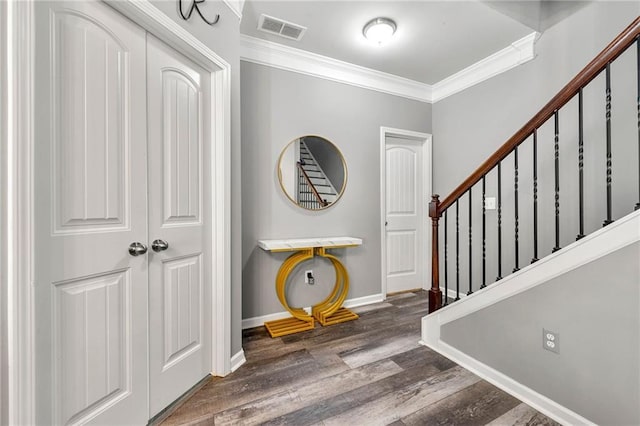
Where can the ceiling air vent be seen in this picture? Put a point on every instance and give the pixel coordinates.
(285, 29)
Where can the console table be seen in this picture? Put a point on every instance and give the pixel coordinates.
(330, 310)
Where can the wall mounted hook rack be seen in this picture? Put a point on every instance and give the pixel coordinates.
(194, 5)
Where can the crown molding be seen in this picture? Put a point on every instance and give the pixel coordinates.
(515, 54)
(236, 6)
(287, 58)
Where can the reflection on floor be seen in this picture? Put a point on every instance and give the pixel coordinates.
(364, 372)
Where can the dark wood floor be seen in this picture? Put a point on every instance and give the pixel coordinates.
(364, 372)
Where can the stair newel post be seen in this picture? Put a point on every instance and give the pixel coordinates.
(435, 295)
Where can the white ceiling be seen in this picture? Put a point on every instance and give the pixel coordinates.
(434, 39)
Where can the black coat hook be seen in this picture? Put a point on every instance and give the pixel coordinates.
(194, 5)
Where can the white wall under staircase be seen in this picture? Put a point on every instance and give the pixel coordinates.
(589, 292)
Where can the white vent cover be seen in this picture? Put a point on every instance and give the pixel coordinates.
(280, 27)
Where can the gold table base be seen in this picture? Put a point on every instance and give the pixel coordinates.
(327, 312)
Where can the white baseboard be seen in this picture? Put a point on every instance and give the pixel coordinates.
(451, 294)
(546, 406)
(362, 301)
(350, 303)
(237, 360)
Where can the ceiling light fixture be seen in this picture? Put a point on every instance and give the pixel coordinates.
(379, 30)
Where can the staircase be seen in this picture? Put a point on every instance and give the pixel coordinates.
(314, 188)
(535, 237)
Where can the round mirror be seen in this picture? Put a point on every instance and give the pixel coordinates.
(312, 172)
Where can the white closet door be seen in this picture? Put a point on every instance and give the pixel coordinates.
(90, 205)
(179, 107)
(405, 215)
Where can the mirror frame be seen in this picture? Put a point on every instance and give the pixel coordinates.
(344, 166)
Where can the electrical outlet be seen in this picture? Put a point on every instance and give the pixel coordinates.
(551, 341)
(490, 203)
(308, 277)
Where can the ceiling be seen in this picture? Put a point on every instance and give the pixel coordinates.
(434, 39)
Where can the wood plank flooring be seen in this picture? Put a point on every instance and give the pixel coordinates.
(371, 371)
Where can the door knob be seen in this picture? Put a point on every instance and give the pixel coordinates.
(136, 249)
(159, 245)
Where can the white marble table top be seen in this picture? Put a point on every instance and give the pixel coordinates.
(294, 244)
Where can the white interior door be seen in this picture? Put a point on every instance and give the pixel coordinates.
(179, 109)
(90, 205)
(405, 215)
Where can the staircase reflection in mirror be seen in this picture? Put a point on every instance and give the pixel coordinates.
(312, 172)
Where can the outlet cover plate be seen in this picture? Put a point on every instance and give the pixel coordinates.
(490, 203)
(551, 341)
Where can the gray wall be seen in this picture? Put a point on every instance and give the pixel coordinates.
(471, 125)
(596, 311)
(277, 107)
(223, 38)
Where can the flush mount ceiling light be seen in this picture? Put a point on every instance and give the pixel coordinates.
(379, 30)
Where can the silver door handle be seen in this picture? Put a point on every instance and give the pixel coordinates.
(136, 249)
(159, 245)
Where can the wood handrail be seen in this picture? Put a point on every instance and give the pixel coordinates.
(588, 73)
(322, 202)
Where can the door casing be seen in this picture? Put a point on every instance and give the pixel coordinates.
(17, 404)
(425, 139)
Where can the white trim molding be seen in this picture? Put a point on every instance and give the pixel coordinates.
(17, 216)
(236, 7)
(237, 360)
(351, 303)
(621, 233)
(4, 284)
(288, 58)
(515, 54)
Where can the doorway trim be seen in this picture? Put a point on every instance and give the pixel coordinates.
(17, 405)
(427, 165)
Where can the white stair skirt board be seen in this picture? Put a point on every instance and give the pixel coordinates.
(350, 303)
(618, 235)
(237, 360)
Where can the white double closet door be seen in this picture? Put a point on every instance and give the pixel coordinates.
(122, 136)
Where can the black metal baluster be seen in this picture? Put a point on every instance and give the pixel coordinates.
(515, 207)
(484, 232)
(580, 165)
(457, 251)
(499, 277)
(556, 149)
(608, 118)
(535, 196)
(300, 188)
(638, 101)
(470, 258)
(446, 283)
